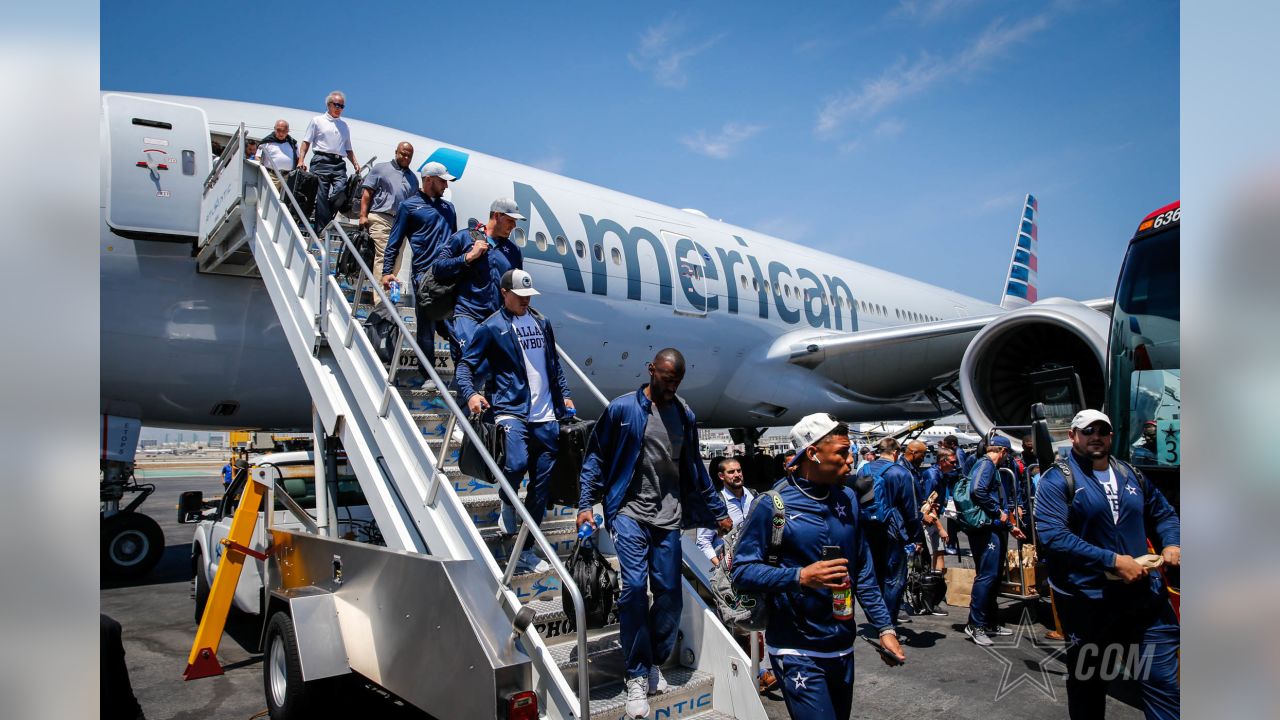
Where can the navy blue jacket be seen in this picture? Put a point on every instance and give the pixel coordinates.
(1081, 540)
(991, 491)
(479, 295)
(931, 480)
(614, 450)
(494, 352)
(892, 501)
(800, 617)
(428, 223)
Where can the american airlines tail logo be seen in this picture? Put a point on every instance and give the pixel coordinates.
(455, 161)
(1021, 286)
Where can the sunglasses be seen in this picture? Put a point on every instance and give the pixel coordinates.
(340, 106)
(1100, 430)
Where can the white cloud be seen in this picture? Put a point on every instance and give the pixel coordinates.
(722, 144)
(663, 51)
(927, 11)
(904, 80)
(889, 128)
(550, 163)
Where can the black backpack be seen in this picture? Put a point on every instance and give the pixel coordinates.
(348, 199)
(382, 332)
(434, 299)
(596, 580)
(363, 242)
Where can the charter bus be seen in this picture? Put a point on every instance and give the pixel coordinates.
(1144, 373)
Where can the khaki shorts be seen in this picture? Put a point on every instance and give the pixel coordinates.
(933, 539)
(380, 231)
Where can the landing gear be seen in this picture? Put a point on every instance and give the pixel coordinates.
(132, 544)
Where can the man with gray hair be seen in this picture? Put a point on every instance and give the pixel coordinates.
(329, 139)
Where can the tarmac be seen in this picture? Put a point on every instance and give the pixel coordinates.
(945, 674)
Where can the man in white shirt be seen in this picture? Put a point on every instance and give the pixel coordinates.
(329, 140)
(278, 151)
(525, 392)
(736, 497)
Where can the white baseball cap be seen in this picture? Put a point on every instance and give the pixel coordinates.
(507, 207)
(1085, 418)
(435, 169)
(810, 430)
(518, 282)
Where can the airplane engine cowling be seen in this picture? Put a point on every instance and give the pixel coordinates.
(1053, 333)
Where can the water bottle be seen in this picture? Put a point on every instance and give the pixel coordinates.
(395, 292)
(585, 531)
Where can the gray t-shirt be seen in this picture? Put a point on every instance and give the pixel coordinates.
(390, 184)
(654, 494)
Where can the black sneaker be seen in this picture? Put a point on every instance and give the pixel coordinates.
(978, 635)
(999, 630)
(938, 611)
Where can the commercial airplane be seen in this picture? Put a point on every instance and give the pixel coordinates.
(771, 330)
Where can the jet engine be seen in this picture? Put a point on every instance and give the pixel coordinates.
(1053, 352)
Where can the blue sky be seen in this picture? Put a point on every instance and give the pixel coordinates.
(902, 134)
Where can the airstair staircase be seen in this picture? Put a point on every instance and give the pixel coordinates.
(401, 440)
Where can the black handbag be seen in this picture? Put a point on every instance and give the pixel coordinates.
(347, 265)
(494, 438)
(575, 433)
(433, 298)
(596, 580)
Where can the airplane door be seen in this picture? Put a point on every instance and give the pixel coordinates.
(690, 294)
(158, 156)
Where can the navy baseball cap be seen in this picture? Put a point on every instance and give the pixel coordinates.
(1000, 441)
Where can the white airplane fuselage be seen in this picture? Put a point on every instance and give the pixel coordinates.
(620, 278)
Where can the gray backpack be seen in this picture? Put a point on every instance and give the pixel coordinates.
(746, 611)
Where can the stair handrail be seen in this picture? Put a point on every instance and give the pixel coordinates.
(604, 401)
(463, 422)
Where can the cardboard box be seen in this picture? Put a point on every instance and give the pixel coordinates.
(959, 585)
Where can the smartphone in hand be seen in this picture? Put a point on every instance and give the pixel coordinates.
(889, 656)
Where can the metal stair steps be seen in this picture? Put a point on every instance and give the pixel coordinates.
(689, 696)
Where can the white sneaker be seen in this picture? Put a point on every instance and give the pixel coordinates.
(637, 697)
(657, 683)
(530, 563)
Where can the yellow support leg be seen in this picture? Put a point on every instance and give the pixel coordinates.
(203, 660)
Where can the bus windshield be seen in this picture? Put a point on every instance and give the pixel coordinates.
(1145, 381)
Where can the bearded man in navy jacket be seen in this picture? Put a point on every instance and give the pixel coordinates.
(643, 463)
(1092, 535)
(811, 651)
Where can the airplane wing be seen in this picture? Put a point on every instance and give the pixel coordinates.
(886, 364)
(893, 363)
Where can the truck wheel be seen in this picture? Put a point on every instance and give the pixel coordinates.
(199, 587)
(288, 697)
(132, 544)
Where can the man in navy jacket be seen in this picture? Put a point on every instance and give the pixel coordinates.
(992, 494)
(811, 651)
(643, 459)
(885, 492)
(477, 261)
(1103, 595)
(515, 349)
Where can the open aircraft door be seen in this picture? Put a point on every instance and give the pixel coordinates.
(158, 156)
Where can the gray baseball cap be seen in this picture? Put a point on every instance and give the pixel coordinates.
(435, 169)
(507, 207)
(518, 282)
